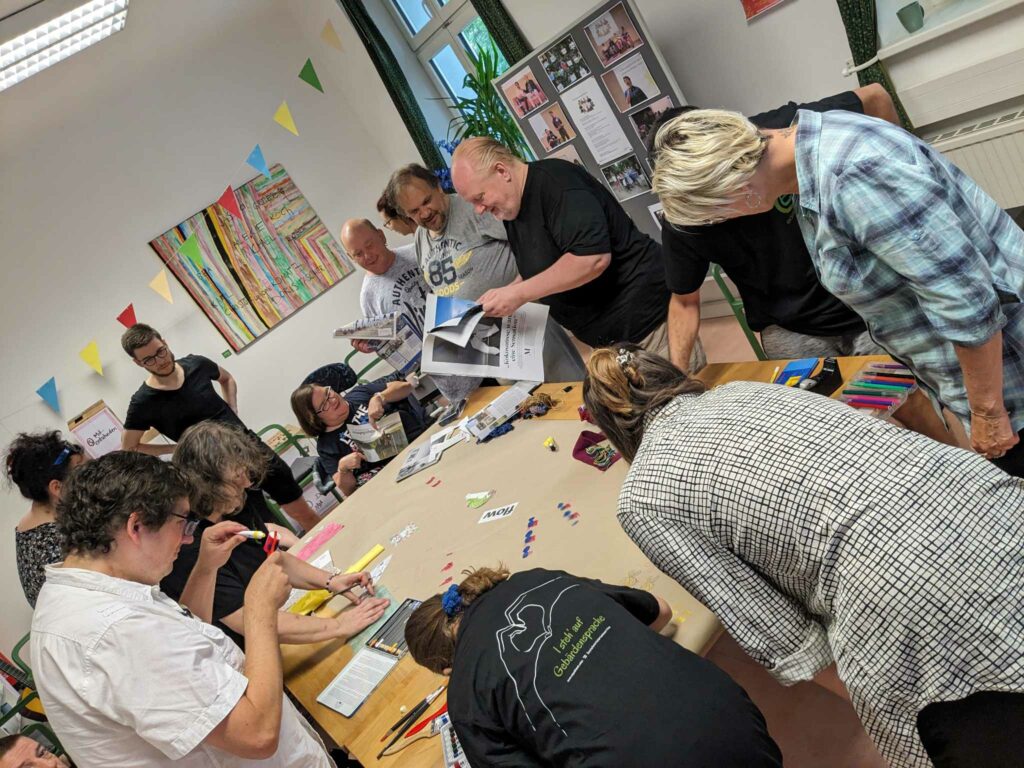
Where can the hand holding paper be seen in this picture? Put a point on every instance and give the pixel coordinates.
(502, 302)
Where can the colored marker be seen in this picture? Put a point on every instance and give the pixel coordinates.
(253, 535)
(774, 374)
(885, 402)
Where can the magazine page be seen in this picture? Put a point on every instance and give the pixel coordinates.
(403, 351)
(453, 320)
(386, 440)
(373, 328)
(500, 409)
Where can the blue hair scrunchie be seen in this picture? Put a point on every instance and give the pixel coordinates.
(451, 601)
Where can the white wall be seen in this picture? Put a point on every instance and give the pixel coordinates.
(793, 52)
(106, 150)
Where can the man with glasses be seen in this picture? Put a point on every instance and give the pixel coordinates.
(179, 393)
(129, 677)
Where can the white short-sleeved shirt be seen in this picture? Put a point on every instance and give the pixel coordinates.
(130, 679)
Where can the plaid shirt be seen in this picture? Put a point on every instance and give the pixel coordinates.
(914, 246)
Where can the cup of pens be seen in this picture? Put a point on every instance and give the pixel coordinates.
(879, 389)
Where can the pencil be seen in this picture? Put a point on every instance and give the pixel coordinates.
(774, 374)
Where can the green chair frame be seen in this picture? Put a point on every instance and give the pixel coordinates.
(290, 440)
(736, 305)
(33, 727)
(361, 377)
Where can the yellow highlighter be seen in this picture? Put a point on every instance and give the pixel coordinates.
(313, 599)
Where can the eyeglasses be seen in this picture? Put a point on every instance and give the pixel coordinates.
(160, 354)
(329, 397)
(191, 523)
(389, 223)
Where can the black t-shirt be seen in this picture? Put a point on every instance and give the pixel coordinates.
(333, 446)
(566, 210)
(234, 576)
(764, 255)
(174, 411)
(552, 669)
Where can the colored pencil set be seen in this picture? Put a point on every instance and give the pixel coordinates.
(390, 638)
(879, 388)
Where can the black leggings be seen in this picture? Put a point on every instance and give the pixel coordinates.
(984, 730)
(1012, 463)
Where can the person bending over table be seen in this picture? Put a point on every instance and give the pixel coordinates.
(834, 546)
(766, 257)
(549, 669)
(38, 464)
(128, 676)
(325, 414)
(577, 249)
(897, 232)
(178, 394)
(223, 465)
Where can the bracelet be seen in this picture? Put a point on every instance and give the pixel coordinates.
(327, 584)
(989, 418)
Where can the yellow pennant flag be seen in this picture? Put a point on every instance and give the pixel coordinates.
(330, 35)
(283, 117)
(91, 355)
(161, 286)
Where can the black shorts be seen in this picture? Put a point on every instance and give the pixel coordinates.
(980, 731)
(279, 483)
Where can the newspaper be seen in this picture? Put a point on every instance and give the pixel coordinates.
(372, 328)
(500, 409)
(403, 351)
(430, 452)
(377, 444)
(463, 342)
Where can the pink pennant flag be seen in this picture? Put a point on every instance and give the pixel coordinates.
(127, 316)
(229, 202)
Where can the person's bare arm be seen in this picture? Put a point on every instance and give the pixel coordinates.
(228, 388)
(214, 550)
(570, 271)
(131, 440)
(664, 615)
(252, 729)
(878, 103)
(828, 679)
(294, 629)
(683, 327)
(991, 432)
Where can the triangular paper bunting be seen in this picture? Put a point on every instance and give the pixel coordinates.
(308, 75)
(255, 159)
(91, 355)
(190, 250)
(49, 394)
(330, 35)
(127, 316)
(283, 117)
(161, 286)
(229, 202)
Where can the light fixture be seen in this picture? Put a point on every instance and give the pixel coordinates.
(59, 36)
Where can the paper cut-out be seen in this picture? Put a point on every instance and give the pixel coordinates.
(91, 355)
(308, 75)
(49, 394)
(161, 286)
(256, 160)
(283, 117)
(229, 202)
(330, 35)
(190, 250)
(127, 316)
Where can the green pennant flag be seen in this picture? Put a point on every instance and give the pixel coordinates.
(308, 74)
(190, 250)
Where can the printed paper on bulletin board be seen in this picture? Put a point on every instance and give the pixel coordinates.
(256, 271)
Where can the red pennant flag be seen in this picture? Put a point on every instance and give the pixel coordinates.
(230, 202)
(127, 316)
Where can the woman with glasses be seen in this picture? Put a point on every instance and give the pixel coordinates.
(38, 464)
(325, 414)
(223, 466)
(392, 219)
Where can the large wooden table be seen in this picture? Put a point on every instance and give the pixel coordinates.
(517, 468)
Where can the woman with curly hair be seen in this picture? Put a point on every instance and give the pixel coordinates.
(833, 546)
(38, 464)
(556, 670)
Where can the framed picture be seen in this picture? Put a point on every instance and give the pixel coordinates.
(563, 63)
(612, 35)
(552, 127)
(645, 119)
(569, 153)
(626, 178)
(630, 83)
(752, 8)
(523, 93)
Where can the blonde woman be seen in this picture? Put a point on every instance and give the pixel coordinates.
(833, 546)
(223, 463)
(896, 231)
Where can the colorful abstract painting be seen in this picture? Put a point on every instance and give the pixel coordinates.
(251, 272)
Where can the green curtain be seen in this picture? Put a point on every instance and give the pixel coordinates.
(503, 29)
(395, 82)
(861, 22)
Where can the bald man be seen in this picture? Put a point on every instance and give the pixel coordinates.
(577, 249)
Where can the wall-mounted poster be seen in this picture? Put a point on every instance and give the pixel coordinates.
(523, 93)
(250, 273)
(613, 35)
(626, 178)
(630, 83)
(552, 128)
(754, 8)
(563, 62)
(645, 119)
(596, 121)
(569, 154)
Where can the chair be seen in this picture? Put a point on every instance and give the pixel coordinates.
(361, 375)
(29, 705)
(736, 305)
(304, 468)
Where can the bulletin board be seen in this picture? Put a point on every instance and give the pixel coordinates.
(591, 95)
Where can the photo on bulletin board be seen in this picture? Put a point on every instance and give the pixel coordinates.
(627, 178)
(564, 64)
(645, 119)
(552, 127)
(630, 83)
(752, 8)
(569, 154)
(523, 93)
(612, 35)
(248, 274)
(658, 214)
